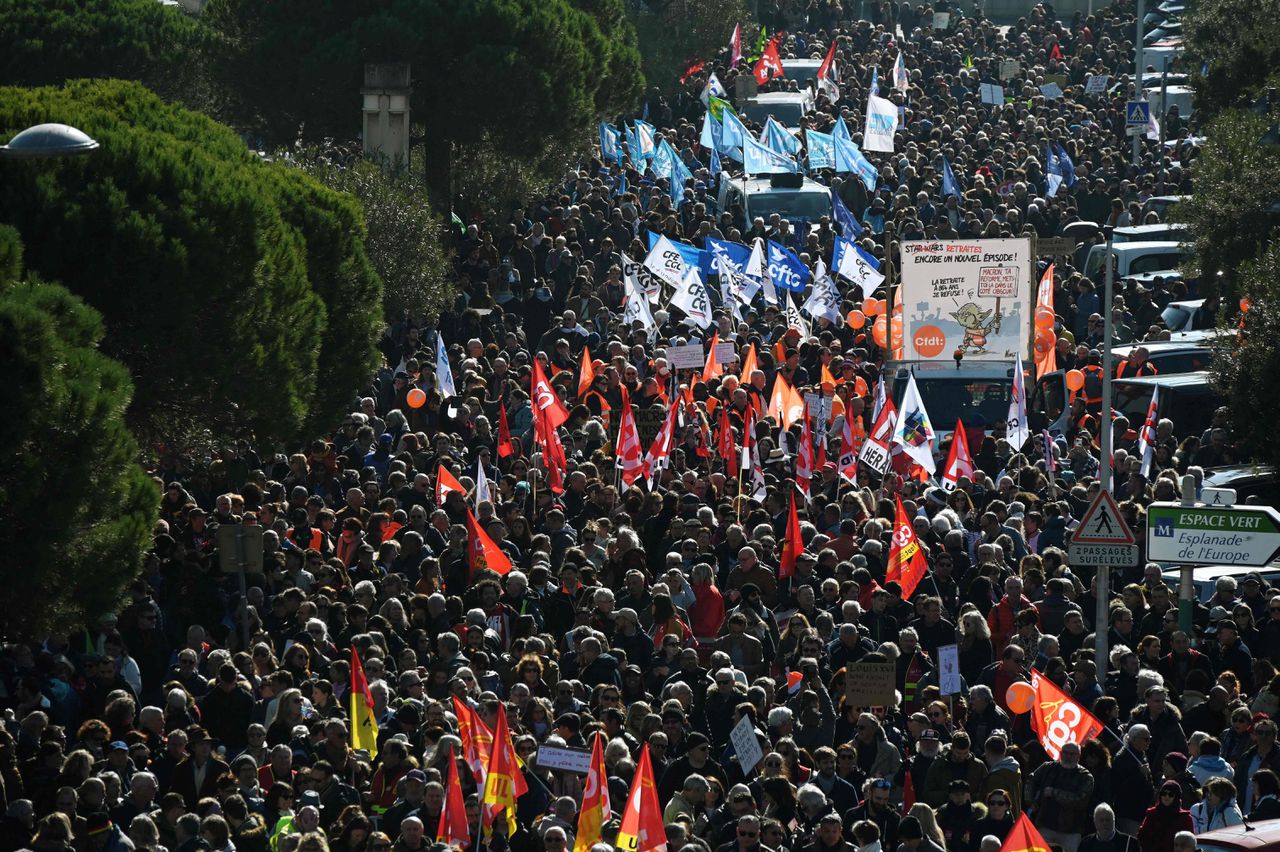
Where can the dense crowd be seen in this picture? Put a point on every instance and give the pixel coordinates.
(201, 717)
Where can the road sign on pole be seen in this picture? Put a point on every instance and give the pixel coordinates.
(1212, 535)
(1103, 539)
(1137, 113)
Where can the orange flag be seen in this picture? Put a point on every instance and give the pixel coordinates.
(827, 379)
(483, 553)
(544, 398)
(1048, 362)
(446, 482)
(1058, 720)
(454, 828)
(503, 782)
(748, 365)
(642, 829)
(595, 801)
(792, 544)
(477, 740)
(712, 368)
(587, 374)
(907, 564)
(1023, 837)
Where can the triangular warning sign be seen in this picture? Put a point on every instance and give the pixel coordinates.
(1102, 523)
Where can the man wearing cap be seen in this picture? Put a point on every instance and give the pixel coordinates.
(227, 709)
(409, 804)
(1229, 653)
(697, 759)
(197, 776)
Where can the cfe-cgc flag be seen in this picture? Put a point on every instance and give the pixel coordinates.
(1058, 720)
(907, 564)
(642, 829)
(364, 728)
(1023, 837)
(595, 800)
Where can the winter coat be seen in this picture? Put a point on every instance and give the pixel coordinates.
(1208, 766)
(1136, 792)
(1067, 808)
(1005, 774)
(945, 770)
(1163, 821)
(1205, 817)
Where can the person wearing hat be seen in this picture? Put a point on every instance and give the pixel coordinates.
(697, 759)
(409, 803)
(911, 833)
(1229, 653)
(227, 709)
(959, 814)
(197, 776)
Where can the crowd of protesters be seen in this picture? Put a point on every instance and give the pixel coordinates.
(657, 617)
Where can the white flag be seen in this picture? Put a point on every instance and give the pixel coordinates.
(1016, 430)
(665, 262)
(648, 283)
(757, 272)
(795, 319)
(691, 297)
(855, 264)
(637, 306)
(913, 431)
(882, 123)
(713, 87)
(900, 81)
(824, 300)
(482, 487)
(444, 377)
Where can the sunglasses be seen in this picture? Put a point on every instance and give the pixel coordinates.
(998, 803)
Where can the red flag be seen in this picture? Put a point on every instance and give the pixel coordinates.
(959, 462)
(1058, 720)
(503, 780)
(770, 64)
(446, 482)
(804, 459)
(825, 68)
(712, 368)
(850, 444)
(642, 829)
(629, 459)
(907, 564)
(1055, 52)
(544, 397)
(587, 374)
(595, 800)
(1023, 837)
(505, 445)
(908, 792)
(728, 452)
(792, 544)
(477, 739)
(656, 459)
(692, 69)
(735, 46)
(482, 552)
(454, 828)
(553, 458)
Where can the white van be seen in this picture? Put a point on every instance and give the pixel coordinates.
(1132, 258)
(787, 108)
(1163, 232)
(792, 197)
(1180, 96)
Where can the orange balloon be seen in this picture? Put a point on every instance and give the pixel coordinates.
(1020, 697)
(878, 332)
(856, 319)
(870, 307)
(1044, 318)
(1244, 305)
(417, 398)
(1075, 379)
(882, 306)
(1045, 341)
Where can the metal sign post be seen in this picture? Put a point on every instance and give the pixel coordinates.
(1102, 610)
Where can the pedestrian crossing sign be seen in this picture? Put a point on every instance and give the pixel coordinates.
(1137, 114)
(1102, 523)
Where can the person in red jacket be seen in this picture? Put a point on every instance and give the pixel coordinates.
(395, 763)
(1164, 819)
(1003, 616)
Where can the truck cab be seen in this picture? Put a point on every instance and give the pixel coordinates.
(976, 393)
(792, 197)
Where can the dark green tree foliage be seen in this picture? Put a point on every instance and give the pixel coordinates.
(517, 72)
(674, 34)
(1240, 41)
(76, 509)
(44, 42)
(236, 291)
(405, 239)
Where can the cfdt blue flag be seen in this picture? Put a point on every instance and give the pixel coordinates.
(785, 269)
(949, 185)
(849, 227)
(776, 137)
(759, 160)
(822, 154)
(610, 143)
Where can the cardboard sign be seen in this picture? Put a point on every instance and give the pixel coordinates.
(648, 422)
(941, 20)
(1009, 69)
(992, 93)
(240, 546)
(689, 357)
(1051, 91)
(1054, 246)
(1097, 84)
(726, 353)
(577, 760)
(949, 669)
(869, 683)
(746, 745)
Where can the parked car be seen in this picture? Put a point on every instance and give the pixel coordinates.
(1256, 484)
(1171, 357)
(1137, 257)
(1162, 204)
(1205, 577)
(1264, 834)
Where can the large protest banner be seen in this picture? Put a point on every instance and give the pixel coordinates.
(972, 296)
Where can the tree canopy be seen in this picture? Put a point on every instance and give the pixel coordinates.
(1239, 43)
(76, 508)
(235, 290)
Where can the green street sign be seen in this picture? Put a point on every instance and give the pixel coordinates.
(1210, 535)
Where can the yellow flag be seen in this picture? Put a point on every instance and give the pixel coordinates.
(364, 728)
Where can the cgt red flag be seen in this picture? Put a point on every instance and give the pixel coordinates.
(1057, 720)
(959, 462)
(728, 451)
(586, 373)
(792, 544)
(1023, 837)
(544, 398)
(805, 462)
(454, 828)
(642, 829)
(505, 445)
(482, 552)
(770, 64)
(907, 564)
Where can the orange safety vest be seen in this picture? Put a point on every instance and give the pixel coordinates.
(1092, 374)
(1147, 369)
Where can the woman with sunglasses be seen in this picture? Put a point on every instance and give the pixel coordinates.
(999, 819)
(1167, 817)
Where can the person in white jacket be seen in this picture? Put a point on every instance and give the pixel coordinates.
(1219, 808)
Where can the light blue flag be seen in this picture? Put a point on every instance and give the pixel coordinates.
(759, 160)
(822, 153)
(735, 254)
(609, 144)
(733, 131)
(708, 137)
(716, 166)
(841, 130)
(645, 133)
(680, 176)
(785, 269)
(663, 164)
(776, 137)
(949, 185)
(848, 223)
(633, 141)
